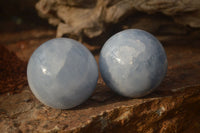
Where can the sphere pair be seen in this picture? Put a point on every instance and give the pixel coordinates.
(62, 73)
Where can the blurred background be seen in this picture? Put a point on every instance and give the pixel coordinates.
(95, 19)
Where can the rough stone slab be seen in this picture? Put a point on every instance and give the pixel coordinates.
(23, 112)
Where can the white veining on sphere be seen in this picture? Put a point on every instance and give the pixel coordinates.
(133, 63)
(62, 73)
(57, 54)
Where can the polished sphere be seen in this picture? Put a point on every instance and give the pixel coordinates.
(133, 63)
(62, 73)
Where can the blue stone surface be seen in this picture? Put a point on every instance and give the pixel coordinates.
(133, 63)
(62, 73)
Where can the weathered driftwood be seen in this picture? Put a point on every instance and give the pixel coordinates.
(90, 18)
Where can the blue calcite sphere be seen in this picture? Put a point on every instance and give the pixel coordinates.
(133, 63)
(62, 73)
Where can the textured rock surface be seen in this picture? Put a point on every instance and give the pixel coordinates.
(173, 107)
(90, 18)
(176, 112)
